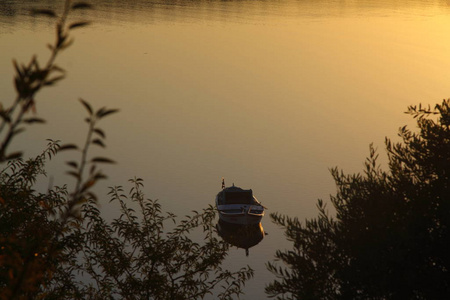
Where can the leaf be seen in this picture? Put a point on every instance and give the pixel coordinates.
(92, 170)
(68, 147)
(81, 5)
(58, 69)
(54, 80)
(45, 12)
(103, 160)
(74, 174)
(34, 120)
(87, 106)
(78, 24)
(66, 44)
(91, 195)
(73, 164)
(18, 83)
(99, 132)
(16, 66)
(99, 142)
(103, 112)
(5, 116)
(17, 131)
(14, 155)
(87, 185)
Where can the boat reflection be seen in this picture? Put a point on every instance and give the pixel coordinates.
(241, 236)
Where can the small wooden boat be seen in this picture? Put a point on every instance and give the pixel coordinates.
(238, 206)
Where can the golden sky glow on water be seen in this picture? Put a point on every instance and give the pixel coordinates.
(236, 85)
(268, 94)
(232, 86)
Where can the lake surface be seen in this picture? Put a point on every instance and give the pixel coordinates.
(267, 94)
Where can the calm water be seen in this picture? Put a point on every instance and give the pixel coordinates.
(268, 94)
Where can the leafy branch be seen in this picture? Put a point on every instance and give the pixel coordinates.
(32, 77)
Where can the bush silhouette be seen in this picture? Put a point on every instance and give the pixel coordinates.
(389, 238)
(57, 245)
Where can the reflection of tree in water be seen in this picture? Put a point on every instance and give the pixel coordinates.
(241, 236)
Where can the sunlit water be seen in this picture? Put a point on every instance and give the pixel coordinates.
(268, 94)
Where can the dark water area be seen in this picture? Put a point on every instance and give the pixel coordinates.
(231, 10)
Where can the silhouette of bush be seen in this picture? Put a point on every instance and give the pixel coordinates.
(389, 237)
(57, 245)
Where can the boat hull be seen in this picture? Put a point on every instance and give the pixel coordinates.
(244, 219)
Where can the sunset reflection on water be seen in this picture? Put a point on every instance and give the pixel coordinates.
(269, 94)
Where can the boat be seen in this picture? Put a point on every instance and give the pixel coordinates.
(238, 206)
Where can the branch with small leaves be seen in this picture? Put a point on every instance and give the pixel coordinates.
(95, 137)
(32, 77)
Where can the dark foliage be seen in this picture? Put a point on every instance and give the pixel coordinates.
(31, 78)
(57, 245)
(134, 257)
(389, 237)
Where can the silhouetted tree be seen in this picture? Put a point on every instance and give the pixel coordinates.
(57, 245)
(135, 257)
(390, 236)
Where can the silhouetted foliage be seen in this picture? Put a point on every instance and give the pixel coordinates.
(133, 257)
(33, 77)
(57, 245)
(38, 230)
(390, 236)
(35, 226)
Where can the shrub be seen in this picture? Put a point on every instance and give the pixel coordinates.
(57, 245)
(389, 238)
